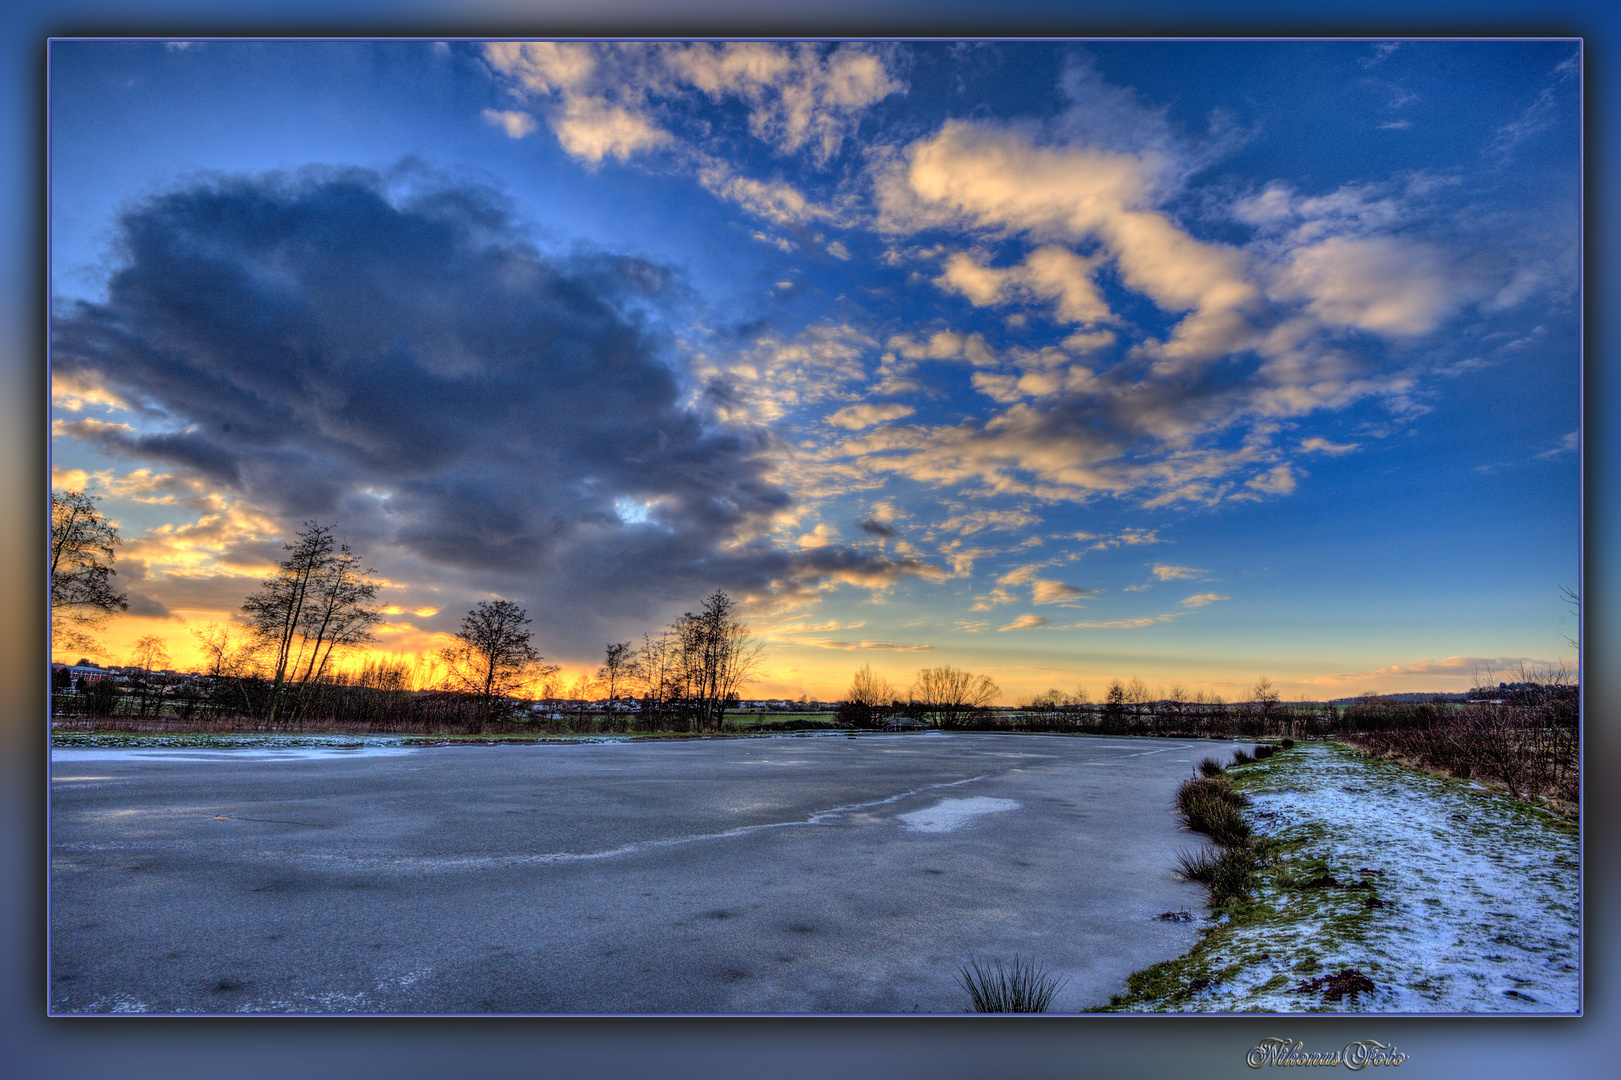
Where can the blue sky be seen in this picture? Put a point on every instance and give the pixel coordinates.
(1063, 362)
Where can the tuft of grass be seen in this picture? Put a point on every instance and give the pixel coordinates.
(1242, 756)
(1209, 805)
(1264, 751)
(1020, 987)
(1226, 872)
(1288, 744)
(1210, 767)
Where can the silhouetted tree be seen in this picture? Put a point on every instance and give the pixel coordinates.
(617, 662)
(82, 553)
(715, 657)
(150, 655)
(948, 694)
(319, 600)
(493, 656)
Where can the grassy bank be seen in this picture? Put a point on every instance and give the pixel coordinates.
(1379, 890)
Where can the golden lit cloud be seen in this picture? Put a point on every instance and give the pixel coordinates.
(1056, 592)
(860, 416)
(1024, 622)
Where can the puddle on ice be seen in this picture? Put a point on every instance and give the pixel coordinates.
(948, 814)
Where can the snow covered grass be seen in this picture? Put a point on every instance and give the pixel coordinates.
(1439, 896)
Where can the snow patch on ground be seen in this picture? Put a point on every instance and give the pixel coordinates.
(949, 814)
(1450, 900)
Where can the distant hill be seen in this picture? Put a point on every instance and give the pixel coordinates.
(1421, 697)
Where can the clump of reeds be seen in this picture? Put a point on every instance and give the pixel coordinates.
(1020, 987)
(1211, 767)
(1225, 872)
(1242, 756)
(1288, 744)
(1209, 805)
(1264, 751)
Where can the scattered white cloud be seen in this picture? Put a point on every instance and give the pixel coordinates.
(1202, 599)
(627, 99)
(1056, 592)
(1127, 624)
(1024, 622)
(1381, 52)
(1279, 480)
(516, 124)
(978, 520)
(1316, 445)
(1381, 284)
(855, 417)
(1166, 572)
(823, 643)
(1568, 444)
(1051, 273)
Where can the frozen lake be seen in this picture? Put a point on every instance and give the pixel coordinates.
(707, 876)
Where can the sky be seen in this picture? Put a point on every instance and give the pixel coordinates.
(1061, 362)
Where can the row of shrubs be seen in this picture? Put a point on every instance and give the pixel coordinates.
(1531, 747)
(1164, 718)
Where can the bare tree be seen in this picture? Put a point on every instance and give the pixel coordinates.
(232, 657)
(655, 669)
(150, 656)
(715, 657)
(1265, 697)
(1574, 600)
(873, 691)
(318, 600)
(493, 656)
(1114, 708)
(616, 668)
(867, 701)
(342, 612)
(82, 553)
(949, 694)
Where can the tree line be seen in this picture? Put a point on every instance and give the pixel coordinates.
(279, 666)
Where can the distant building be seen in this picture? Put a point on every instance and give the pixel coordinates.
(83, 674)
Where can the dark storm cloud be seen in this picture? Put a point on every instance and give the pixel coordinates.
(874, 527)
(141, 604)
(412, 364)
